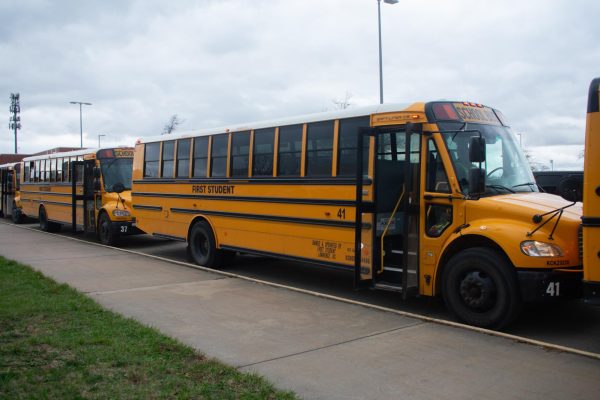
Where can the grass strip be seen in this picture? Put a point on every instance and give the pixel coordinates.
(57, 343)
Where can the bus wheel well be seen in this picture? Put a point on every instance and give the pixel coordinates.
(193, 222)
(460, 244)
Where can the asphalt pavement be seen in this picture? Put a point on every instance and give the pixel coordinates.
(317, 347)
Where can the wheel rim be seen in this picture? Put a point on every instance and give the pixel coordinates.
(477, 291)
(202, 245)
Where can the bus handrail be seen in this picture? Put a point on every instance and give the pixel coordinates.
(388, 225)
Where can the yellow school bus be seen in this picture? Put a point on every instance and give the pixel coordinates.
(434, 198)
(88, 189)
(9, 192)
(591, 198)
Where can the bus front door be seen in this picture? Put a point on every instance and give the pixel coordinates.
(390, 216)
(83, 191)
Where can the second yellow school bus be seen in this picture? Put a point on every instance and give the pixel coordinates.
(89, 189)
(435, 198)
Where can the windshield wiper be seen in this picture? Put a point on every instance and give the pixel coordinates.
(498, 187)
(530, 184)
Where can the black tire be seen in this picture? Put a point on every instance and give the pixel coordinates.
(202, 247)
(46, 225)
(16, 215)
(104, 231)
(480, 288)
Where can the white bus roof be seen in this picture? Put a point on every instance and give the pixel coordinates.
(323, 116)
(8, 165)
(73, 153)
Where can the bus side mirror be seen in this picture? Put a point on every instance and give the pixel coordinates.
(477, 149)
(96, 172)
(476, 181)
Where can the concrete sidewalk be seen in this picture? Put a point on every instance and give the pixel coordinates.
(319, 348)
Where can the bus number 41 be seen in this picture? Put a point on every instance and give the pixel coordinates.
(553, 289)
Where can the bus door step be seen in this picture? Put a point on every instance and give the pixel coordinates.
(388, 286)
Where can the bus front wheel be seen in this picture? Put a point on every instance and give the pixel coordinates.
(106, 236)
(202, 247)
(46, 225)
(480, 288)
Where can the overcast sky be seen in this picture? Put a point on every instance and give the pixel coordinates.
(223, 62)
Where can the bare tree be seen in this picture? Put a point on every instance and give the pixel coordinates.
(343, 104)
(172, 125)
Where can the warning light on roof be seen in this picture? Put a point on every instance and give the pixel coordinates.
(445, 112)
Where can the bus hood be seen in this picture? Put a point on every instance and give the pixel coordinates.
(530, 204)
(509, 219)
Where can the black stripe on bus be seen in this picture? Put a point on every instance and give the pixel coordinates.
(593, 101)
(276, 218)
(61, 184)
(592, 222)
(56, 203)
(47, 193)
(163, 236)
(258, 181)
(145, 207)
(347, 203)
(288, 257)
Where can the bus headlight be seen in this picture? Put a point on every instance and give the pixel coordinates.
(533, 248)
(121, 213)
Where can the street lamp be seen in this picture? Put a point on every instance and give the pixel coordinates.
(380, 56)
(99, 136)
(80, 120)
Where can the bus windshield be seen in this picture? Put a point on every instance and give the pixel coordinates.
(506, 167)
(116, 170)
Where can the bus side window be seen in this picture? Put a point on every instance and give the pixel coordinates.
(59, 171)
(36, 171)
(240, 154)
(319, 148)
(437, 180)
(43, 170)
(66, 172)
(168, 157)
(183, 158)
(218, 156)
(26, 172)
(80, 170)
(290, 150)
(151, 156)
(200, 157)
(53, 170)
(262, 163)
(347, 151)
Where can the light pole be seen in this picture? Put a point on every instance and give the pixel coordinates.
(80, 120)
(380, 55)
(551, 165)
(99, 136)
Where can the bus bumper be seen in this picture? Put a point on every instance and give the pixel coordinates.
(543, 286)
(591, 292)
(124, 228)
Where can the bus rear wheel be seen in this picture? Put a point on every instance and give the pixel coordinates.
(106, 236)
(202, 247)
(45, 225)
(16, 215)
(480, 288)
